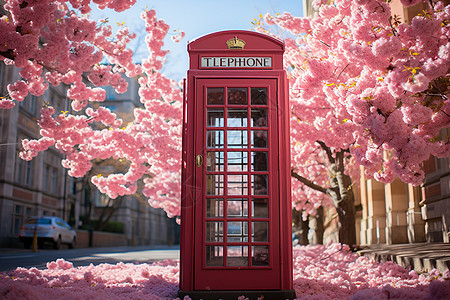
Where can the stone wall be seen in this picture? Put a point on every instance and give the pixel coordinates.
(100, 239)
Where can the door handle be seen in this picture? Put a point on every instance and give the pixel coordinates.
(199, 160)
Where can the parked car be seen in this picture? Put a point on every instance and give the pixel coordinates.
(49, 229)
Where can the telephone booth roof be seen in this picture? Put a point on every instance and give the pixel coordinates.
(255, 44)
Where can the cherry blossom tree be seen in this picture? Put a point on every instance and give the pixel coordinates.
(55, 42)
(366, 90)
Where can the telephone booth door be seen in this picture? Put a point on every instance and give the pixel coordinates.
(236, 185)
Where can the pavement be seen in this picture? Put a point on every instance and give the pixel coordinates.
(421, 257)
(11, 258)
(99, 249)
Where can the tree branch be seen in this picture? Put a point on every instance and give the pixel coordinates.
(327, 151)
(340, 159)
(343, 70)
(308, 183)
(8, 54)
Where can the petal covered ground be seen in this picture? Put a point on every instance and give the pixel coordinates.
(320, 272)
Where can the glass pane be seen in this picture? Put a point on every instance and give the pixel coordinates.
(237, 208)
(237, 96)
(260, 208)
(237, 138)
(237, 118)
(259, 96)
(237, 184)
(214, 255)
(214, 161)
(214, 231)
(260, 231)
(237, 232)
(215, 95)
(260, 185)
(237, 161)
(260, 255)
(237, 256)
(214, 184)
(215, 117)
(214, 208)
(259, 161)
(259, 139)
(214, 139)
(259, 117)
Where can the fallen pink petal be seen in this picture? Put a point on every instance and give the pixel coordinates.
(320, 272)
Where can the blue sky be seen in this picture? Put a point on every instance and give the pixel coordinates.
(196, 18)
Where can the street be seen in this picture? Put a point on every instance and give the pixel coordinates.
(10, 260)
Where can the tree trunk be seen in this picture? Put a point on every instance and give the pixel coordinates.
(340, 192)
(319, 225)
(300, 228)
(347, 221)
(111, 210)
(305, 230)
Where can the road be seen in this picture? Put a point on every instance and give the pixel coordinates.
(10, 259)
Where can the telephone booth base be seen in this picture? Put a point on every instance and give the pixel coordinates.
(233, 295)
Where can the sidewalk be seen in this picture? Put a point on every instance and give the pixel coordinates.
(5, 250)
(422, 257)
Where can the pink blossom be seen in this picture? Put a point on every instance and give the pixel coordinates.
(386, 46)
(178, 37)
(18, 91)
(417, 114)
(33, 147)
(320, 272)
(6, 104)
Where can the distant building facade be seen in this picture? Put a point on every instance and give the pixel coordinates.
(143, 225)
(37, 187)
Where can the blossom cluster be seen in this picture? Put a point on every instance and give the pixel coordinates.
(53, 44)
(365, 83)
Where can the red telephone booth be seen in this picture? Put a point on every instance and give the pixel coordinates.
(236, 203)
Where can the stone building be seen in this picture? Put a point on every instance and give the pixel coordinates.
(37, 187)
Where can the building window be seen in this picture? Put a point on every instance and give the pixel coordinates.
(29, 104)
(72, 185)
(110, 93)
(46, 177)
(32, 107)
(24, 172)
(28, 173)
(18, 219)
(54, 180)
(21, 214)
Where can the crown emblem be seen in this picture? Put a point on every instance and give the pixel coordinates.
(235, 43)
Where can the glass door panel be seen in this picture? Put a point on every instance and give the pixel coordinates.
(238, 198)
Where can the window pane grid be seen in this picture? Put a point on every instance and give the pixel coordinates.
(242, 134)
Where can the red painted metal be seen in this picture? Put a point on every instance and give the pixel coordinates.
(276, 272)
